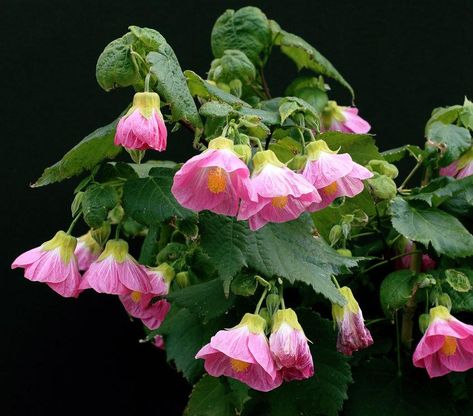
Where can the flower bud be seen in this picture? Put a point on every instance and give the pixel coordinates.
(243, 151)
(297, 163)
(383, 168)
(272, 303)
(116, 215)
(136, 155)
(382, 186)
(424, 321)
(182, 279)
(344, 252)
(264, 313)
(444, 300)
(77, 203)
(335, 234)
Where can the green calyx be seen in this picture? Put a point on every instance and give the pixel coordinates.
(66, 244)
(331, 112)
(287, 316)
(146, 103)
(220, 143)
(315, 149)
(255, 323)
(118, 249)
(466, 158)
(351, 306)
(243, 151)
(166, 270)
(439, 312)
(265, 157)
(90, 242)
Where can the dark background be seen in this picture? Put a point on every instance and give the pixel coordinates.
(66, 356)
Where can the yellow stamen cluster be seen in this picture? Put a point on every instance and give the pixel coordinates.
(216, 180)
(279, 202)
(449, 346)
(238, 365)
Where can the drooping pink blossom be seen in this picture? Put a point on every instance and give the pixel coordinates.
(343, 119)
(446, 346)
(352, 332)
(141, 306)
(215, 180)
(53, 263)
(283, 195)
(333, 175)
(87, 251)
(242, 353)
(116, 272)
(461, 168)
(289, 347)
(143, 126)
(160, 278)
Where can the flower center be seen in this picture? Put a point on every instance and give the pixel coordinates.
(279, 202)
(135, 296)
(216, 180)
(238, 365)
(449, 346)
(329, 190)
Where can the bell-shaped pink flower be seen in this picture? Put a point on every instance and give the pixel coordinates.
(334, 175)
(141, 306)
(215, 180)
(53, 263)
(343, 119)
(428, 263)
(289, 347)
(461, 168)
(446, 346)
(143, 126)
(283, 195)
(160, 278)
(352, 332)
(87, 251)
(116, 272)
(242, 353)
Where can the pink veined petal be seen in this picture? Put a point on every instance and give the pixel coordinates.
(451, 327)
(360, 172)
(156, 314)
(327, 169)
(28, 257)
(450, 170)
(433, 365)
(428, 345)
(49, 268)
(258, 379)
(349, 186)
(136, 309)
(159, 286)
(103, 277)
(134, 276)
(353, 122)
(466, 171)
(69, 288)
(461, 360)
(85, 256)
(259, 348)
(233, 343)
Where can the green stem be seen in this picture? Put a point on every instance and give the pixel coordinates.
(281, 296)
(260, 302)
(73, 223)
(374, 321)
(164, 235)
(149, 248)
(410, 175)
(265, 85)
(381, 263)
(258, 143)
(335, 282)
(117, 231)
(408, 313)
(363, 235)
(302, 140)
(148, 77)
(263, 282)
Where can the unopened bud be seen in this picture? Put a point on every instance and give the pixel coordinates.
(264, 313)
(116, 214)
(424, 321)
(76, 203)
(182, 279)
(297, 163)
(171, 252)
(243, 151)
(344, 252)
(444, 300)
(335, 234)
(382, 186)
(102, 233)
(383, 168)
(272, 303)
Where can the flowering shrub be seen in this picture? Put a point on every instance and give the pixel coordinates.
(287, 211)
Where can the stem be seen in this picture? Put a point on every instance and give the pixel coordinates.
(117, 231)
(258, 142)
(390, 259)
(281, 297)
(302, 140)
(260, 302)
(73, 223)
(374, 321)
(164, 235)
(335, 282)
(362, 235)
(149, 248)
(148, 76)
(398, 346)
(265, 84)
(411, 174)
(263, 282)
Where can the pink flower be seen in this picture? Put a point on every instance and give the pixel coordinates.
(289, 347)
(446, 346)
(140, 305)
(53, 263)
(352, 332)
(343, 119)
(87, 251)
(461, 168)
(283, 195)
(332, 174)
(143, 126)
(214, 180)
(242, 353)
(160, 278)
(405, 262)
(158, 342)
(116, 272)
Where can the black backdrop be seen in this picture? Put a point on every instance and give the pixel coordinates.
(64, 356)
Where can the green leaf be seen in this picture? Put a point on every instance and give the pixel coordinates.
(458, 280)
(446, 115)
(215, 109)
(326, 218)
(173, 87)
(395, 290)
(94, 148)
(286, 148)
(150, 201)
(455, 140)
(399, 153)
(361, 147)
(148, 39)
(466, 115)
(305, 55)
(185, 334)
(234, 64)
(325, 392)
(461, 301)
(247, 30)
(231, 246)
(206, 299)
(442, 189)
(431, 225)
(116, 67)
(379, 390)
(213, 396)
(96, 202)
(244, 284)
